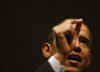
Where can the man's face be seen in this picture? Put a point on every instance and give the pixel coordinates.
(72, 43)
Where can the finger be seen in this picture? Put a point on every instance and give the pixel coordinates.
(62, 43)
(77, 29)
(80, 19)
(77, 21)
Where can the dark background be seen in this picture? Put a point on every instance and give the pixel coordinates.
(25, 25)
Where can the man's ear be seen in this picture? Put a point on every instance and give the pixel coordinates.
(46, 50)
(89, 59)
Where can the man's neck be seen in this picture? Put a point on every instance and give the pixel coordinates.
(59, 57)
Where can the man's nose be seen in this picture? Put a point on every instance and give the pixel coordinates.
(77, 47)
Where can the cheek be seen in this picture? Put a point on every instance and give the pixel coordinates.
(86, 54)
(85, 49)
(86, 62)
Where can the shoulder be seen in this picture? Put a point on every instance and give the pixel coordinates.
(45, 68)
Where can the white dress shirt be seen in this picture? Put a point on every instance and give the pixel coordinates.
(57, 67)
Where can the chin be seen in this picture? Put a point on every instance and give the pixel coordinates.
(75, 63)
(73, 66)
(73, 69)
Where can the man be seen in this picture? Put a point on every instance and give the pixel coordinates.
(68, 48)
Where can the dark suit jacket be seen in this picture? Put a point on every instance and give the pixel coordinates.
(45, 68)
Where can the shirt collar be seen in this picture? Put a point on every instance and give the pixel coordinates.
(57, 67)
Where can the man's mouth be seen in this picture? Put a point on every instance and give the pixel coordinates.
(75, 58)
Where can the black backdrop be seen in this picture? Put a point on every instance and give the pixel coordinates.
(25, 25)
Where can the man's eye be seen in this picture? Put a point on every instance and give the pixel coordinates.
(84, 40)
(69, 36)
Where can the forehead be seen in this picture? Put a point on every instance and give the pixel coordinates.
(84, 31)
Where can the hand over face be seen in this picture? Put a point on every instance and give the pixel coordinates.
(65, 32)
